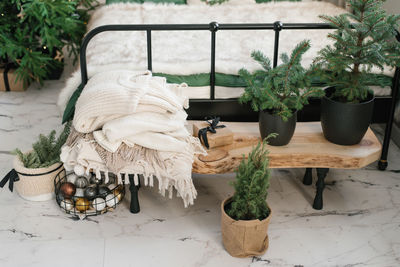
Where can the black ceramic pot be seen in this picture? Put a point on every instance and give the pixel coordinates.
(345, 123)
(271, 123)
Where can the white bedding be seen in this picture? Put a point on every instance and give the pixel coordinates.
(189, 52)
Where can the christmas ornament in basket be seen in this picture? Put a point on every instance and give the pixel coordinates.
(87, 196)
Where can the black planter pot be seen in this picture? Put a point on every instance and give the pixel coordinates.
(345, 123)
(271, 123)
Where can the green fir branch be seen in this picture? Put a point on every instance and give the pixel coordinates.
(46, 151)
(251, 185)
(281, 89)
(362, 40)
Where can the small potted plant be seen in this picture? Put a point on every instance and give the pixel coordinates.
(245, 216)
(36, 169)
(278, 93)
(363, 39)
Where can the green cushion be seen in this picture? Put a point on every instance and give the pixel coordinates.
(179, 2)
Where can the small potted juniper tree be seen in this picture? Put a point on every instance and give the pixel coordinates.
(278, 93)
(363, 39)
(245, 216)
(34, 171)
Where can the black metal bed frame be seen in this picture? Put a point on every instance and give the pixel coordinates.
(230, 109)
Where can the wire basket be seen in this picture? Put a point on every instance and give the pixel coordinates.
(87, 196)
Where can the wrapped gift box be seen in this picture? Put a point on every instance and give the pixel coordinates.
(13, 85)
(222, 137)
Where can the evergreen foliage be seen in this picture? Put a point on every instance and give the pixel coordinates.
(33, 33)
(251, 185)
(363, 40)
(46, 151)
(283, 89)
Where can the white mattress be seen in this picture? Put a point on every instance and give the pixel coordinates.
(189, 52)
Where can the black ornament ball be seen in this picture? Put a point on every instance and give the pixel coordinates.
(90, 192)
(95, 180)
(104, 191)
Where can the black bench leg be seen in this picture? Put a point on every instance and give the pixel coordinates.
(307, 180)
(321, 173)
(382, 165)
(135, 207)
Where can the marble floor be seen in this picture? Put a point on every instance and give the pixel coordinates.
(359, 225)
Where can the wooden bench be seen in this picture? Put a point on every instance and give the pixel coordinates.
(307, 149)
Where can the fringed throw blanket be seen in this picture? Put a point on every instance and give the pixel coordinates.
(132, 123)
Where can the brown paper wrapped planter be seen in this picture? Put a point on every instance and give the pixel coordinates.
(244, 238)
(36, 184)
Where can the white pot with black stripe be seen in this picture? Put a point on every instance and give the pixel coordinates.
(36, 184)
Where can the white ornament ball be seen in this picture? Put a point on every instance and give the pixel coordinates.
(67, 204)
(111, 200)
(79, 170)
(99, 204)
(71, 178)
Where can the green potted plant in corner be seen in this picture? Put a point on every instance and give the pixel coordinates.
(34, 171)
(278, 93)
(33, 34)
(362, 40)
(245, 216)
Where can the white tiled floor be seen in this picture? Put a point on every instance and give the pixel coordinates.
(360, 223)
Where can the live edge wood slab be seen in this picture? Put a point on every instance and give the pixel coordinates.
(307, 149)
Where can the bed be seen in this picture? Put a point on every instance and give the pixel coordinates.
(183, 53)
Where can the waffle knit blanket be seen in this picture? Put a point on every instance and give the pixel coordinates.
(130, 122)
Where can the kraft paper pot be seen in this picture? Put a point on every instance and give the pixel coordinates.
(36, 184)
(244, 238)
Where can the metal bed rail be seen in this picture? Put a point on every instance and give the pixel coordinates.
(214, 27)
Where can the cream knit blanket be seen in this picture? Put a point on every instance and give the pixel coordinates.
(83, 155)
(130, 122)
(113, 94)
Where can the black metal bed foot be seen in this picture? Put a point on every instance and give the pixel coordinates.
(382, 165)
(134, 207)
(318, 202)
(307, 180)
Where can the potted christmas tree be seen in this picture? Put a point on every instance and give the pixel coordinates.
(32, 37)
(34, 171)
(362, 40)
(245, 216)
(278, 93)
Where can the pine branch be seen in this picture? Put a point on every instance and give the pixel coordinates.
(275, 89)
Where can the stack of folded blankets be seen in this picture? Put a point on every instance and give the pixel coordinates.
(132, 123)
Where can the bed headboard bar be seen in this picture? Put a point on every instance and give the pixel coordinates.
(213, 27)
